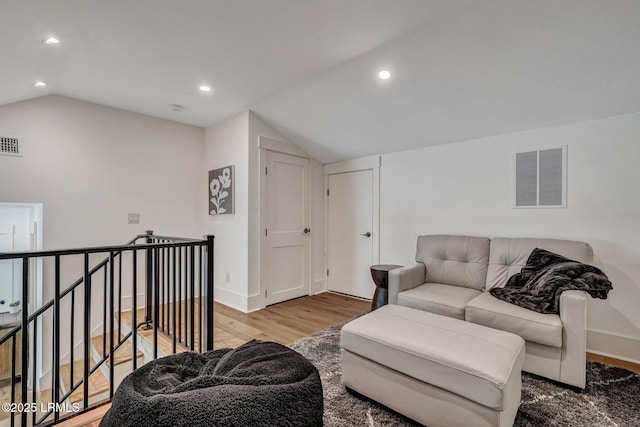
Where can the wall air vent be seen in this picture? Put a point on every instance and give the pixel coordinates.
(540, 178)
(9, 146)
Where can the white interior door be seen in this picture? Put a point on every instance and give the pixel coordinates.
(7, 267)
(286, 261)
(350, 237)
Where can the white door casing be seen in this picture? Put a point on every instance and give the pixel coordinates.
(287, 235)
(351, 233)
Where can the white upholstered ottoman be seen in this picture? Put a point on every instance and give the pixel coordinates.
(434, 369)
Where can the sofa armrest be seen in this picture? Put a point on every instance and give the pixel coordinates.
(402, 279)
(573, 314)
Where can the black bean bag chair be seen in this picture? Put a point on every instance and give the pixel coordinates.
(256, 384)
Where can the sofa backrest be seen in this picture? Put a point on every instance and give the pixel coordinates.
(508, 255)
(455, 260)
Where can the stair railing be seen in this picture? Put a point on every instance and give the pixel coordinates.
(178, 278)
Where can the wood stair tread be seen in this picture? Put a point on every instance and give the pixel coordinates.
(122, 353)
(165, 343)
(98, 383)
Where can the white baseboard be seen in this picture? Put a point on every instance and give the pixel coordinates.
(231, 299)
(317, 287)
(616, 346)
(255, 302)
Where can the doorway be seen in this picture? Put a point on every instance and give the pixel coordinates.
(285, 263)
(352, 231)
(19, 231)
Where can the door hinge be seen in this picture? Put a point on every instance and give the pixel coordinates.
(327, 192)
(265, 232)
(266, 171)
(265, 293)
(327, 271)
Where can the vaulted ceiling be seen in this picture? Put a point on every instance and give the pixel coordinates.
(460, 69)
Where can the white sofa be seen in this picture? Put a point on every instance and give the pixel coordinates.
(454, 273)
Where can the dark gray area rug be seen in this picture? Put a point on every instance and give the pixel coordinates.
(611, 398)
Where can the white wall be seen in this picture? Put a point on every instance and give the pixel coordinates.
(226, 144)
(90, 165)
(466, 188)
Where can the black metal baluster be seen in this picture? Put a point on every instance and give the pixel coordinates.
(160, 285)
(34, 388)
(179, 300)
(55, 389)
(174, 336)
(86, 332)
(209, 327)
(14, 346)
(192, 284)
(186, 297)
(166, 322)
(25, 337)
(185, 282)
(104, 314)
(134, 310)
(149, 284)
(167, 273)
(119, 299)
(200, 299)
(156, 302)
(72, 333)
(111, 325)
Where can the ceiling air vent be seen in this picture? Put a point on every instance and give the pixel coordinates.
(9, 146)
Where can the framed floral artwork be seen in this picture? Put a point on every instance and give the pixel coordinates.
(221, 195)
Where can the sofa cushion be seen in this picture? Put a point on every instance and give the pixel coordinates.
(437, 298)
(455, 260)
(466, 359)
(508, 256)
(487, 310)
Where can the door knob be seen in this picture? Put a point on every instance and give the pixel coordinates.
(367, 234)
(307, 230)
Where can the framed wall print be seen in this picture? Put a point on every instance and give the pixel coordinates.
(221, 191)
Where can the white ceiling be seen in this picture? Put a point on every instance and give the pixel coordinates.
(461, 69)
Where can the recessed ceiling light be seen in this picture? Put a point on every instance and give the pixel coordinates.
(205, 88)
(40, 84)
(52, 40)
(384, 74)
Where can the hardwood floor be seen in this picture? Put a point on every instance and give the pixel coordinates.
(635, 367)
(285, 322)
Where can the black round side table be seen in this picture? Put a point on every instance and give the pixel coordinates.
(380, 275)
